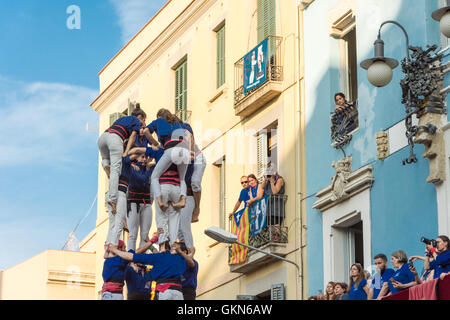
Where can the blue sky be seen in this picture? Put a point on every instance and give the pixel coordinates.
(48, 78)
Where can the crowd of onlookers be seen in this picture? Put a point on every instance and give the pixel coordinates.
(386, 281)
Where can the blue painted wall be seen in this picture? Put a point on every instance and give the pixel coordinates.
(403, 204)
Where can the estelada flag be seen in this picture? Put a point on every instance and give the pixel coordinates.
(239, 227)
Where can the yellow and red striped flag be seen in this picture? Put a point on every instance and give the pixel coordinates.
(240, 227)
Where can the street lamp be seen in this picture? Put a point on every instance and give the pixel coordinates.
(423, 76)
(443, 16)
(223, 236)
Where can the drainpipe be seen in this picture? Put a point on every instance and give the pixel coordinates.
(299, 153)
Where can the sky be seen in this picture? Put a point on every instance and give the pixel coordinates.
(51, 53)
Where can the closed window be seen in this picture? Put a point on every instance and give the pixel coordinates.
(266, 19)
(181, 91)
(220, 61)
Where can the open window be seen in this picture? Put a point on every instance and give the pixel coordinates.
(344, 113)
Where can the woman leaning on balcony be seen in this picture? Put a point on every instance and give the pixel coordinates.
(273, 184)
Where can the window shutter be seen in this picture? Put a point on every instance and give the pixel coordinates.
(113, 117)
(131, 106)
(277, 292)
(261, 161)
(220, 56)
(181, 90)
(266, 19)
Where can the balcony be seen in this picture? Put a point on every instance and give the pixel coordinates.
(272, 239)
(184, 115)
(245, 103)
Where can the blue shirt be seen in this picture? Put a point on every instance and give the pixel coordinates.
(441, 264)
(114, 268)
(126, 168)
(379, 279)
(244, 196)
(130, 123)
(163, 129)
(189, 279)
(140, 179)
(165, 265)
(157, 154)
(402, 275)
(357, 292)
(140, 143)
(136, 282)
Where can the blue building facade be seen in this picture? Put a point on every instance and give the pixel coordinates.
(371, 202)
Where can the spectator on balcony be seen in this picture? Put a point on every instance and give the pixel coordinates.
(243, 196)
(358, 288)
(382, 276)
(402, 279)
(340, 293)
(273, 184)
(440, 265)
(256, 189)
(343, 113)
(329, 291)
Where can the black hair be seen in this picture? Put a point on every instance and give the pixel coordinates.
(340, 94)
(381, 256)
(137, 111)
(183, 247)
(445, 239)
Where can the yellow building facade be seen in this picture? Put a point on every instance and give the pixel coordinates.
(189, 59)
(52, 275)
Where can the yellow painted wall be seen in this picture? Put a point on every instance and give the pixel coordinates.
(143, 71)
(51, 275)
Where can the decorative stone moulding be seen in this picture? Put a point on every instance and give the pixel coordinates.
(434, 147)
(382, 145)
(345, 184)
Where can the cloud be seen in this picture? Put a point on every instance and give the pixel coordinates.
(134, 14)
(44, 122)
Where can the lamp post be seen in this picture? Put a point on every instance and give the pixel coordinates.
(223, 236)
(423, 74)
(443, 16)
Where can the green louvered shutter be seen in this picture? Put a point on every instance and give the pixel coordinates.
(113, 117)
(221, 56)
(181, 90)
(266, 19)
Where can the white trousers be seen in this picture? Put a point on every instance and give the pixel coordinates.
(139, 220)
(116, 221)
(185, 230)
(168, 220)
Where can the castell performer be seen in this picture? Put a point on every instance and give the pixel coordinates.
(110, 144)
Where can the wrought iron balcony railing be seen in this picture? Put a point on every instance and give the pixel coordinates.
(274, 69)
(184, 115)
(343, 123)
(276, 231)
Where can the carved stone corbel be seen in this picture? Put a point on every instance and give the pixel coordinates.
(434, 146)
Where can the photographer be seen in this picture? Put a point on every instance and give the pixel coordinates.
(439, 263)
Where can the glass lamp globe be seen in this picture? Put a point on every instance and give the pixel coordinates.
(379, 74)
(444, 24)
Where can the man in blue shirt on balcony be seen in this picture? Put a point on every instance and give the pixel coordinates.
(243, 196)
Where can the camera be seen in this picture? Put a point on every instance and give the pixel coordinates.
(428, 241)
